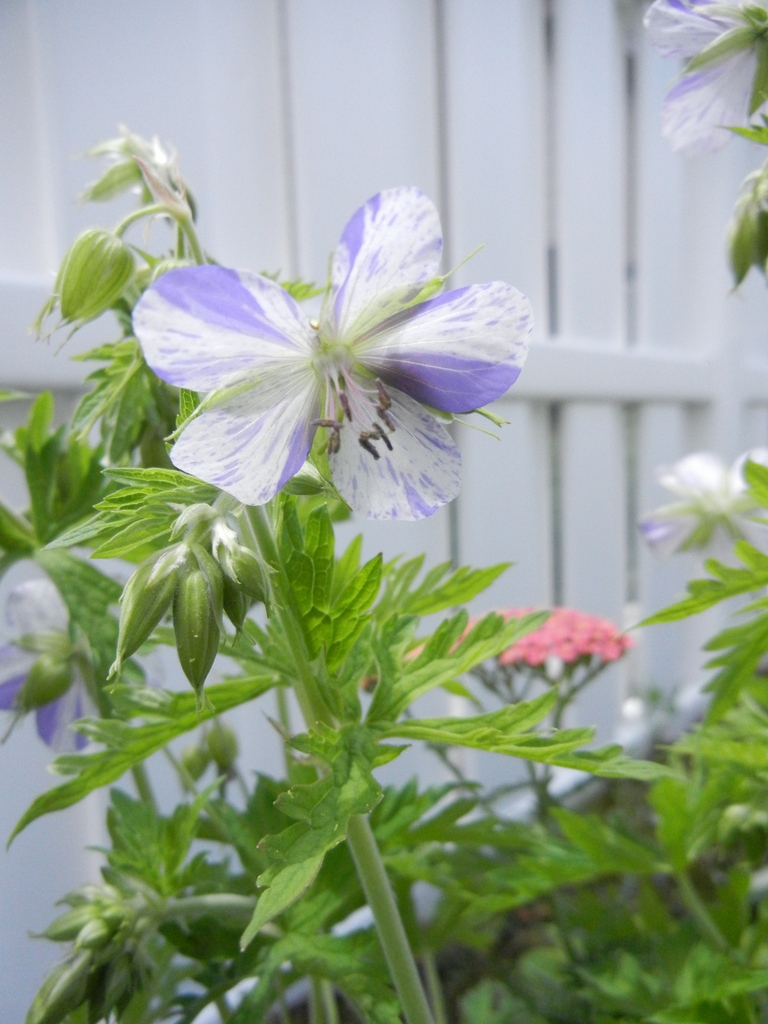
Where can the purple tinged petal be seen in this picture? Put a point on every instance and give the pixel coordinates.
(201, 327)
(252, 442)
(456, 352)
(388, 251)
(682, 29)
(666, 534)
(9, 691)
(420, 473)
(51, 721)
(35, 606)
(699, 109)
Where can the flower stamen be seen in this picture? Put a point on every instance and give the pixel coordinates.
(365, 439)
(334, 439)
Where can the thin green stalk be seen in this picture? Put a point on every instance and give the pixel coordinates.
(699, 910)
(316, 1008)
(194, 241)
(143, 785)
(223, 1007)
(330, 1006)
(144, 211)
(434, 988)
(381, 900)
(312, 705)
(222, 906)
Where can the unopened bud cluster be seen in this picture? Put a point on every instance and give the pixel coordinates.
(100, 921)
(205, 574)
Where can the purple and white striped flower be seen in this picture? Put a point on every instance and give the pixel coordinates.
(38, 620)
(369, 372)
(724, 44)
(713, 511)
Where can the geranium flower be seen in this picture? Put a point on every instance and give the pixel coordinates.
(568, 636)
(37, 616)
(717, 89)
(714, 509)
(369, 372)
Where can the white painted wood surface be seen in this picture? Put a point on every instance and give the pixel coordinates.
(535, 125)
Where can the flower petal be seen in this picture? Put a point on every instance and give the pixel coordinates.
(421, 473)
(456, 352)
(682, 29)
(388, 251)
(9, 691)
(701, 473)
(200, 327)
(666, 534)
(700, 108)
(54, 720)
(35, 606)
(252, 441)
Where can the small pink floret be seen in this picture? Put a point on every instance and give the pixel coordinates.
(567, 634)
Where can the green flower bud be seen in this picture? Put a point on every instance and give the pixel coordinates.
(236, 604)
(197, 607)
(62, 991)
(94, 935)
(116, 179)
(49, 678)
(146, 597)
(67, 927)
(195, 759)
(238, 562)
(93, 275)
(222, 746)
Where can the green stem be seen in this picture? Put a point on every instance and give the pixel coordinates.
(316, 1008)
(194, 241)
(434, 988)
(223, 1007)
(144, 211)
(223, 906)
(699, 910)
(381, 900)
(143, 785)
(330, 1006)
(312, 705)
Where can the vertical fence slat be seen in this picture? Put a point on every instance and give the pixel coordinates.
(592, 469)
(24, 198)
(504, 506)
(589, 175)
(241, 112)
(495, 66)
(660, 217)
(364, 111)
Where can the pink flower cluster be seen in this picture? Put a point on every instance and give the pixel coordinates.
(568, 635)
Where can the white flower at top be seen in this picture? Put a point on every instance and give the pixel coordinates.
(386, 351)
(714, 508)
(724, 82)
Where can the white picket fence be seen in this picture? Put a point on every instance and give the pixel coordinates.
(535, 126)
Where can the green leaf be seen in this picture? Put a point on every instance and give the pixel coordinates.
(403, 679)
(506, 732)
(104, 767)
(15, 534)
(322, 809)
(460, 587)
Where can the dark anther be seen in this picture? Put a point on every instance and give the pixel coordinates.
(344, 403)
(365, 442)
(384, 415)
(379, 433)
(334, 440)
(385, 401)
